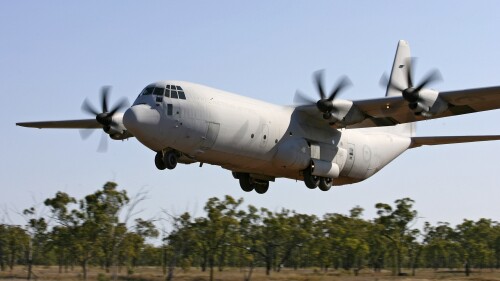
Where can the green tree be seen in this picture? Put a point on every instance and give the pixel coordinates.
(36, 228)
(397, 225)
(93, 226)
(214, 232)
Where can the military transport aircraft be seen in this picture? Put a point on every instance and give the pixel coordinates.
(322, 142)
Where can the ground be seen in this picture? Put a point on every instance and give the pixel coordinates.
(311, 274)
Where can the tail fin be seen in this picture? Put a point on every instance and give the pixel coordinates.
(400, 68)
(399, 74)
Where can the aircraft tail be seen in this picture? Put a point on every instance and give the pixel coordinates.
(399, 74)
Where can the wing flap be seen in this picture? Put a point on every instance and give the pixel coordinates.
(63, 124)
(480, 99)
(420, 141)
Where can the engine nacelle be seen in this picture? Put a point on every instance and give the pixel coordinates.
(345, 113)
(117, 130)
(428, 103)
(293, 153)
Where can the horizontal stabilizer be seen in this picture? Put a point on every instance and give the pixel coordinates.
(419, 141)
(65, 124)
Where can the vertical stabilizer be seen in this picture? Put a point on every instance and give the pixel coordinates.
(399, 78)
(399, 72)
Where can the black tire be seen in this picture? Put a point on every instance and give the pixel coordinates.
(261, 187)
(325, 184)
(311, 181)
(246, 182)
(160, 165)
(170, 160)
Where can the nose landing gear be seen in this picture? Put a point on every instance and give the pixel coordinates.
(166, 160)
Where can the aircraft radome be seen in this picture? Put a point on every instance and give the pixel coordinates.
(323, 142)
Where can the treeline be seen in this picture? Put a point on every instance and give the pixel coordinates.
(97, 230)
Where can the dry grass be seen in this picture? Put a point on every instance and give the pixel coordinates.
(155, 274)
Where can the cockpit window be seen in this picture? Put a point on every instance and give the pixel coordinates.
(174, 92)
(181, 95)
(158, 91)
(147, 91)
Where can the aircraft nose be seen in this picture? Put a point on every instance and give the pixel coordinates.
(140, 119)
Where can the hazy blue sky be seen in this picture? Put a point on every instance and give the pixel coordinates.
(54, 54)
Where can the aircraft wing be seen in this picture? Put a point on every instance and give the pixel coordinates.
(394, 110)
(64, 124)
(419, 141)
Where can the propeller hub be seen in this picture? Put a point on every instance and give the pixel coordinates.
(324, 105)
(104, 118)
(410, 94)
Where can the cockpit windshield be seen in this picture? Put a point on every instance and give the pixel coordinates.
(170, 91)
(147, 91)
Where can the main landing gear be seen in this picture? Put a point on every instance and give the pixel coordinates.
(313, 181)
(166, 160)
(249, 184)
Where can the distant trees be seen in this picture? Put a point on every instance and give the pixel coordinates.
(91, 230)
(98, 230)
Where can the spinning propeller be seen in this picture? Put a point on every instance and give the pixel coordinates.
(324, 104)
(411, 93)
(105, 118)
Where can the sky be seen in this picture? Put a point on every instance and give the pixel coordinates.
(54, 54)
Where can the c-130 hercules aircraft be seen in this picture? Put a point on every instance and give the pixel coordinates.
(326, 142)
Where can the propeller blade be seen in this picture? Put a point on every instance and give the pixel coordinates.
(410, 62)
(103, 143)
(104, 98)
(384, 83)
(384, 80)
(123, 103)
(433, 76)
(89, 108)
(86, 133)
(342, 83)
(302, 99)
(318, 78)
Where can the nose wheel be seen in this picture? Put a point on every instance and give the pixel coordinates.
(166, 160)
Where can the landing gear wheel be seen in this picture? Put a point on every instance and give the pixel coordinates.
(245, 182)
(170, 160)
(310, 180)
(160, 165)
(325, 184)
(261, 187)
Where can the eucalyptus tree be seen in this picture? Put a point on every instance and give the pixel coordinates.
(92, 224)
(397, 229)
(214, 232)
(440, 247)
(36, 229)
